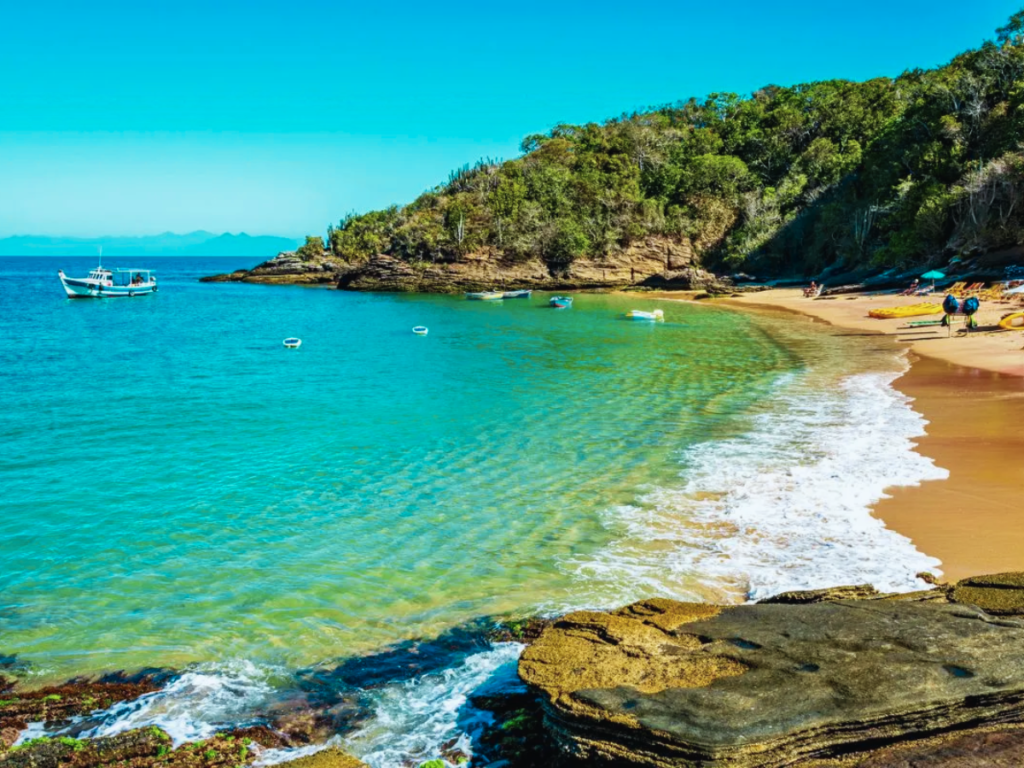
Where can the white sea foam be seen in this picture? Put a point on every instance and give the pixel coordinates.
(202, 701)
(786, 505)
(413, 719)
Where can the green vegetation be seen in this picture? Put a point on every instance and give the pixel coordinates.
(884, 172)
(76, 744)
(433, 764)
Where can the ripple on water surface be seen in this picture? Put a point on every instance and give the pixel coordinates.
(178, 489)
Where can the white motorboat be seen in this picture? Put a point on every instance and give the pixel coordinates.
(639, 314)
(420, 330)
(109, 283)
(293, 343)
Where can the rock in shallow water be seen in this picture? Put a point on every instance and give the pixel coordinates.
(675, 684)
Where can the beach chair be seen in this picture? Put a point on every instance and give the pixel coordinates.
(995, 293)
(957, 289)
(973, 288)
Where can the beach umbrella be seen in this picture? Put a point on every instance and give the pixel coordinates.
(933, 276)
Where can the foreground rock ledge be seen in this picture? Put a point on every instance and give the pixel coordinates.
(664, 683)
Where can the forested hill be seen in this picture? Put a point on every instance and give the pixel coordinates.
(788, 180)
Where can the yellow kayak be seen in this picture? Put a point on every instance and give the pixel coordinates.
(1014, 322)
(908, 311)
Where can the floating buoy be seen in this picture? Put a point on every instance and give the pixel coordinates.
(293, 343)
(420, 330)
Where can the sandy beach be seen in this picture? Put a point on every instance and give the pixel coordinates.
(970, 388)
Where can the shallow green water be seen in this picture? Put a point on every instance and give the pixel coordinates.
(178, 487)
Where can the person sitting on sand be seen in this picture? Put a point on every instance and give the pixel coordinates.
(812, 290)
(912, 289)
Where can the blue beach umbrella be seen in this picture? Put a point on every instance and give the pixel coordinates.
(933, 276)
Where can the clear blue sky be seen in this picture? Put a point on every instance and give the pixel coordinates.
(277, 117)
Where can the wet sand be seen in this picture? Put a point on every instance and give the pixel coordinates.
(974, 521)
(970, 388)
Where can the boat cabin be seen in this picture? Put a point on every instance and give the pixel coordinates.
(122, 277)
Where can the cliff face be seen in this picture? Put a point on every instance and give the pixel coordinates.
(655, 261)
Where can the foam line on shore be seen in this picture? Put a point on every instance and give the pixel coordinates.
(413, 719)
(784, 506)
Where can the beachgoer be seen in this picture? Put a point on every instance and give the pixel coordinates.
(912, 289)
(812, 290)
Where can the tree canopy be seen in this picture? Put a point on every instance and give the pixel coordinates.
(888, 171)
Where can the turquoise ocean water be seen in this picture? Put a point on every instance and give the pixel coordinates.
(178, 489)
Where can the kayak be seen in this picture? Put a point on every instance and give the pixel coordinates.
(908, 311)
(1013, 322)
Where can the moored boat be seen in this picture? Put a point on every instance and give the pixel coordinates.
(525, 294)
(560, 302)
(109, 283)
(421, 330)
(292, 342)
(485, 296)
(639, 314)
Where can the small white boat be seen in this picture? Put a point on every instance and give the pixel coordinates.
(638, 314)
(292, 343)
(109, 283)
(421, 330)
(517, 294)
(485, 296)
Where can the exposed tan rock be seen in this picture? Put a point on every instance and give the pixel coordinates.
(662, 683)
(1001, 594)
(332, 757)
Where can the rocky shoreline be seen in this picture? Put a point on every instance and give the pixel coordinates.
(840, 676)
(655, 262)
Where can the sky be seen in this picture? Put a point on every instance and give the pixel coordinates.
(120, 117)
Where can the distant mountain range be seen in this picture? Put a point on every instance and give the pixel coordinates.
(168, 244)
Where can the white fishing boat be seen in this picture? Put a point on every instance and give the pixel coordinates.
(421, 330)
(521, 294)
(292, 342)
(105, 283)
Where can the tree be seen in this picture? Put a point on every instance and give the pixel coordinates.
(313, 248)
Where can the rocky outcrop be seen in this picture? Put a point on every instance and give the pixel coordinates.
(485, 270)
(285, 268)
(664, 683)
(660, 262)
(689, 279)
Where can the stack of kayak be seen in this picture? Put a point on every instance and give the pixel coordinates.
(910, 310)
